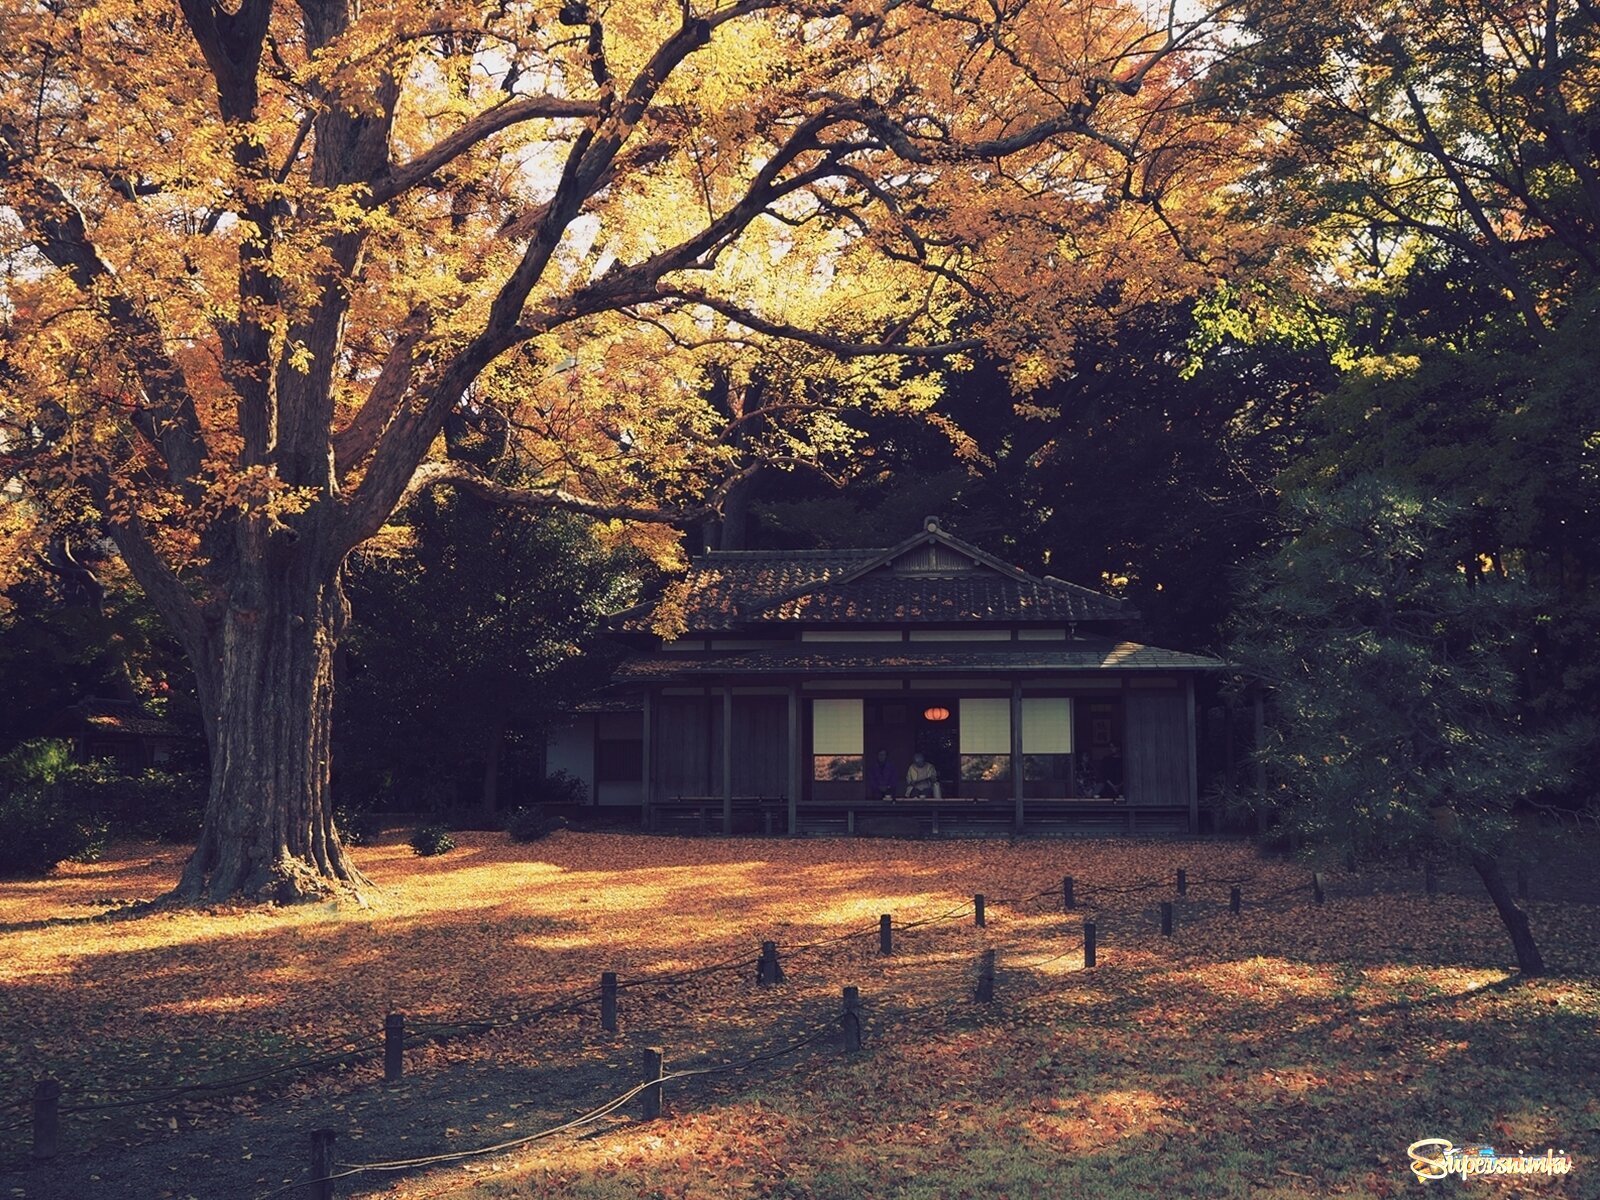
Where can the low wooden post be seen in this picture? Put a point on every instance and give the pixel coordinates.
(1316, 886)
(650, 1098)
(1066, 893)
(977, 910)
(1183, 882)
(608, 1001)
(1233, 900)
(768, 970)
(985, 992)
(1088, 943)
(850, 1018)
(1166, 918)
(322, 1164)
(46, 1118)
(394, 1047)
(885, 935)
(1430, 878)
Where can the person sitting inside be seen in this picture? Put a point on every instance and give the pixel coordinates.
(922, 779)
(881, 778)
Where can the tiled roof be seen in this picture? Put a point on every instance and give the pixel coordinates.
(903, 658)
(931, 577)
(724, 584)
(120, 716)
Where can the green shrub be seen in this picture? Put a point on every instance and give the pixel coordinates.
(37, 832)
(41, 761)
(95, 831)
(531, 824)
(356, 826)
(432, 839)
(559, 788)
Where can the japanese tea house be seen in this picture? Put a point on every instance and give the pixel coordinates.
(1019, 689)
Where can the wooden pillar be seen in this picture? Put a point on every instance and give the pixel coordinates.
(794, 759)
(727, 759)
(1194, 759)
(648, 760)
(1016, 753)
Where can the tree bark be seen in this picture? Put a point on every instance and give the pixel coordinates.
(491, 770)
(269, 832)
(1529, 961)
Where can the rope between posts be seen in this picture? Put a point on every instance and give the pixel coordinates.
(587, 1118)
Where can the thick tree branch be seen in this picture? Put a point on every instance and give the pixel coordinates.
(405, 176)
(355, 441)
(843, 347)
(456, 475)
(164, 414)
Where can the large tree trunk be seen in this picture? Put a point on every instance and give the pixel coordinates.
(1529, 961)
(269, 831)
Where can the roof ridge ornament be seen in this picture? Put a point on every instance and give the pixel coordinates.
(931, 525)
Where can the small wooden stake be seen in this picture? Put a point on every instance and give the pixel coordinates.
(394, 1047)
(1316, 886)
(769, 971)
(1183, 882)
(977, 910)
(1088, 943)
(46, 1118)
(1233, 899)
(885, 935)
(608, 1001)
(1066, 892)
(322, 1164)
(985, 990)
(650, 1098)
(850, 1018)
(1166, 918)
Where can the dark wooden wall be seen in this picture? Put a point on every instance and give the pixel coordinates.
(760, 746)
(688, 746)
(1156, 755)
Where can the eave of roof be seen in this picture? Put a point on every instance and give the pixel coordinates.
(911, 659)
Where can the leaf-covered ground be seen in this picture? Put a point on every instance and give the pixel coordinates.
(1291, 1051)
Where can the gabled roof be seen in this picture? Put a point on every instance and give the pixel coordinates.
(931, 577)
